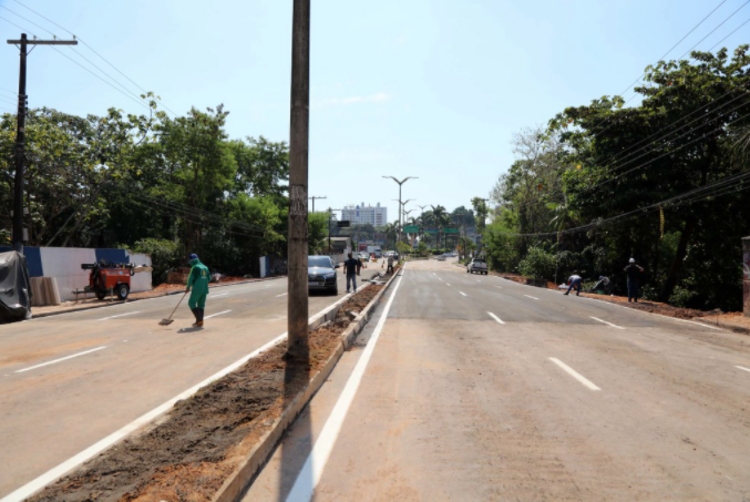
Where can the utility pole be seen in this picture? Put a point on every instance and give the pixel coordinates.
(313, 199)
(297, 305)
(23, 44)
(399, 198)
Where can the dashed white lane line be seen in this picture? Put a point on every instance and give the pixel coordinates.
(119, 315)
(742, 368)
(218, 313)
(219, 296)
(463, 293)
(61, 359)
(447, 284)
(605, 322)
(312, 470)
(532, 297)
(282, 294)
(499, 287)
(496, 318)
(570, 371)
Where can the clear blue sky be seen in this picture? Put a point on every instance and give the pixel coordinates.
(433, 89)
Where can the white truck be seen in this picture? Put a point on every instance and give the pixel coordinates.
(374, 250)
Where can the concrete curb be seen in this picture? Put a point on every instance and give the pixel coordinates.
(236, 483)
(133, 300)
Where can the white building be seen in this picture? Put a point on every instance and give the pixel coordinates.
(362, 215)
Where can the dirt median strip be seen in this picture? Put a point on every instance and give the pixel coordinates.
(209, 446)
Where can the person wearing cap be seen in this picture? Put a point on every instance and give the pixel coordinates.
(633, 271)
(198, 282)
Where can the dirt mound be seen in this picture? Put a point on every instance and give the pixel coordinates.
(200, 442)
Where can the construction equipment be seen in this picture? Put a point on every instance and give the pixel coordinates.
(109, 279)
(169, 320)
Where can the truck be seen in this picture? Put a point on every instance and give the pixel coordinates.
(374, 250)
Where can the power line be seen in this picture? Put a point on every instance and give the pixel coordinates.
(732, 33)
(95, 52)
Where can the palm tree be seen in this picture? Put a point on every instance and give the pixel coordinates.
(441, 218)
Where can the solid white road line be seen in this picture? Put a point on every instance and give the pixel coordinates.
(283, 294)
(462, 293)
(218, 313)
(120, 315)
(605, 322)
(312, 470)
(532, 297)
(40, 482)
(574, 374)
(61, 359)
(496, 318)
(742, 368)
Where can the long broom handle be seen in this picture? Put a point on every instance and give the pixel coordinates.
(178, 304)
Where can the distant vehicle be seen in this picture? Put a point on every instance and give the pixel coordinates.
(321, 274)
(477, 265)
(364, 257)
(374, 250)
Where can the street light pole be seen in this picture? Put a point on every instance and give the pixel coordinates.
(313, 199)
(401, 182)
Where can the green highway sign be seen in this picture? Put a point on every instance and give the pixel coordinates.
(450, 230)
(411, 229)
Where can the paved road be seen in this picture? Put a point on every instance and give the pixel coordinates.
(478, 388)
(121, 364)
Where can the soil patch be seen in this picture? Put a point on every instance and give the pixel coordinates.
(189, 454)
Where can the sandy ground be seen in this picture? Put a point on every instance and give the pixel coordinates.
(187, 456)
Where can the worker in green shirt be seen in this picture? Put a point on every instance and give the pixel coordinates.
(198, 281)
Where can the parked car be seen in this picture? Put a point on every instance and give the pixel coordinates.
(477, 266)
(321, 274)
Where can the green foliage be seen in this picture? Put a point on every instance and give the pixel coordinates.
(317, 233)
(165, 255)
(538, 263)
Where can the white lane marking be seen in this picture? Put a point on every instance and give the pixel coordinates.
(499, 287)
(312, 470)
(496, 318)
(283, 294)
(447, 284)
(218, 313)
(219, 296)
(605, 322)
(570, 371)
(532, 297)
(462, 293)
(742, 368)
(439, 279)
(120, 315)
(93, 450)
(61, 359)
(478, 280)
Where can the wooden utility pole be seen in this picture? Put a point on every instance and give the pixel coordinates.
(23, 44)
(297, 337)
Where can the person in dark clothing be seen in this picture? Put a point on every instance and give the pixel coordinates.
(633, 272)
(350, 268)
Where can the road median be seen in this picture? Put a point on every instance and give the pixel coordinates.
(211, 444)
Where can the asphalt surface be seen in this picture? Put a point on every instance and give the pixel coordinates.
(478, 388)
(68, 381)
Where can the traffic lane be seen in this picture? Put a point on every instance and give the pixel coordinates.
(94, 395)
(588, 310)
(449, 294)
(451, 409)
(59, 336)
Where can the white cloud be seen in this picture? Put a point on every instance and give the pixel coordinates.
(380, 97)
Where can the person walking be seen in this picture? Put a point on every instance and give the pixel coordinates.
(198, 282)
(633, 272)
(350, 268)
(575, 282)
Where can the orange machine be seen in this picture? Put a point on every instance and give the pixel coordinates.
(109, 279)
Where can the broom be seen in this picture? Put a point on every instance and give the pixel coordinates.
(169, 320)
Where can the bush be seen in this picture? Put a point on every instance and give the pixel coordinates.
(165, 255)
(538, 263)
